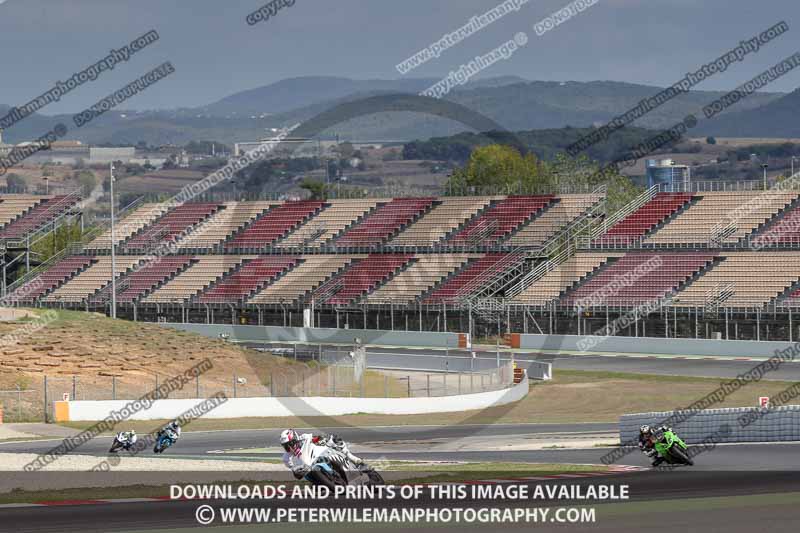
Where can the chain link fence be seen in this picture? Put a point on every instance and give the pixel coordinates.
(33, 401)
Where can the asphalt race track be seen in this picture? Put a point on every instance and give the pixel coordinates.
(733, 488)
(724, 494)
(461, 360)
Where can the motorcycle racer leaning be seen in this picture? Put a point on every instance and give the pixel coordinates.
(173, 429)
(128, 439)
(294, 442)
(647, 442)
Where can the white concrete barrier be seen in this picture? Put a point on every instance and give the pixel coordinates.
(281, 407)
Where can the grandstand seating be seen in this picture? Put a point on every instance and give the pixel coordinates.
(136, 284)
(207, 270)
(785, 231)
(54, 276)
(753, 278)
(172, 225)
(231, 218)
(248, 279)
(453, 288)
(637, 224)
(428, 250)
(384, 222)
(361, 278)
(556, 282)
(567, 208)
(88, 282)
(638, 277)
(722, 217)
(500, 219)
(419, 277)
(14, 206)
(445, 217)
(124, 228)
(312, 271)
(275, 224)
(330, 222)
(38, 216)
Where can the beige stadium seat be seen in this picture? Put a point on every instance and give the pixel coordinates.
(320, 229)
(442, 219)
(551, 285)
(224, 223)
(723, 216)
(307, 276)
(207, 270)
(14, 206)
(91, 280)
(568, 208)
(755, 278)
(141, 217)
(422, 275)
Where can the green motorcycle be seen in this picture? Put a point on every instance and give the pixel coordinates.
(673, 450)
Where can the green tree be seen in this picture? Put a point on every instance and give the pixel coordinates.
(499, 168)
(16, 183)
(318, 189)
(87, 180)
(711, 140)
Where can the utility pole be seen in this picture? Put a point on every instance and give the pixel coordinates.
(764, 167)
(113, 247)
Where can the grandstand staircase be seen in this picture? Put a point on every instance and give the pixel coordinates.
(563, 245)
(305, 220)
(471, 220)
(488, 309)
(329, 287)
(494, 278)
(72, 248)
(717, 296)
(611, 220)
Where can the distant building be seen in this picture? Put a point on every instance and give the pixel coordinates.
(5, 149)
(666, 173)
(109, 155)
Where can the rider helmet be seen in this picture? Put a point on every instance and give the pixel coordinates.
(290, 439)
(645, 430)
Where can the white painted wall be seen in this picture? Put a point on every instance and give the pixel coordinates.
(311, 406)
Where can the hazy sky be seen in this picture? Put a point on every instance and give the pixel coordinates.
(216, 53)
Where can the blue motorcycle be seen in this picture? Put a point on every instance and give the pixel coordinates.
(164, 441)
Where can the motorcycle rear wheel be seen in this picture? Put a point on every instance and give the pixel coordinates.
(680, 455)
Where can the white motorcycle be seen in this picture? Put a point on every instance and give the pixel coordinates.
(124, 440)
(330, 466)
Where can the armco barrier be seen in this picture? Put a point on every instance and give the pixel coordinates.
(75, 411)
(375, 337)
(654, 345)
(779, 424)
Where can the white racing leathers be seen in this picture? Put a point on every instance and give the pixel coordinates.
(308, 453)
